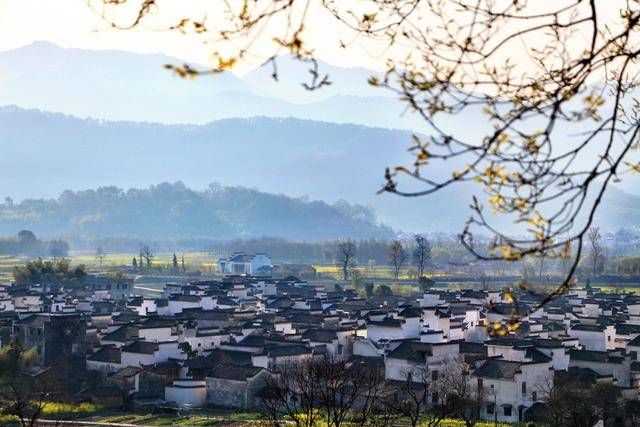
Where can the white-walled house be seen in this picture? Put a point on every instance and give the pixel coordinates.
(241, 263)
(509, 387)
(594, 337)
(412, 357)
(280, 355)
(390, 328)
(177, 303)
(140, 353)
(604, 363)
(105, 359)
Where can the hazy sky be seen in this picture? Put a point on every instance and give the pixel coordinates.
(72, 23)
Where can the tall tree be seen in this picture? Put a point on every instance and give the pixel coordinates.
(175, 262)
(464, 397)
(397, 256)
(346, 256)
(146, 254)
(134, 263)
(421, 253)
(100, 255)
(597, 250)
(58, 248)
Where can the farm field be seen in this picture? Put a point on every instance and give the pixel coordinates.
(205, 263)
(201, 261)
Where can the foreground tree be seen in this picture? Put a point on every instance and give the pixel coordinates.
(422, 398)
(334, 388)
(578, 400)
(21, 396)
(292, 393)
(555, 81)
(463, 397)
(397, 256)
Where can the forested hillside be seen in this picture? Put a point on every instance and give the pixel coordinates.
(168, 211)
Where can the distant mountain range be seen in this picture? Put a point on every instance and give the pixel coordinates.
(45, 153)
(276, 137)
(118, 85)
(173, 211)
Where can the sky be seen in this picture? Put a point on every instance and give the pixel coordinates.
(78, 24)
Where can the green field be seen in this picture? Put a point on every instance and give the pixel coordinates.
(201, 261)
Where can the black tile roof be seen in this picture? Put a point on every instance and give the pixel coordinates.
(142, 347)
(500, 369)
(234, 372)
(413, 351)
(106, 355)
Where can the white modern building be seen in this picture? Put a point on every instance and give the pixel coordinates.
(241, 263)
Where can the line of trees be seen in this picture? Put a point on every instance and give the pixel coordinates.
(398, 255)
(50, 272)
(26, 243)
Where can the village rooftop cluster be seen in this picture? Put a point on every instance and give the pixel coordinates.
(217, 343)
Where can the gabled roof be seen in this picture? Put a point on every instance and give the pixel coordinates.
(126, 372)
(220, 356)
(588, 328)
(286, 350)
(158, 322)
(141, 347)
(320, 335)
(234, 372)
(634, 342)
(387, 322)
(122, 334)
(499, 369)
(594, 356)
(413, 351)
(106, 355)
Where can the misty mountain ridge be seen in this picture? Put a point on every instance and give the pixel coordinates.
(117, 85)
(46, 153)
(169, 211)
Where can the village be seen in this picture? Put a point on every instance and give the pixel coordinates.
(236, 343)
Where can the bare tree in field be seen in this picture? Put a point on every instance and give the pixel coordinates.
(597, 250)
(146, 255)
(555, 82)
(292, 392)
(374, 406)
(464, 397)
(397, 256)
(421, 253)
(422, 398)
(100, 255)
(346, 257)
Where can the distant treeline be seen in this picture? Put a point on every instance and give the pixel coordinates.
(173, 211)
(26, 243)
(443, 250)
